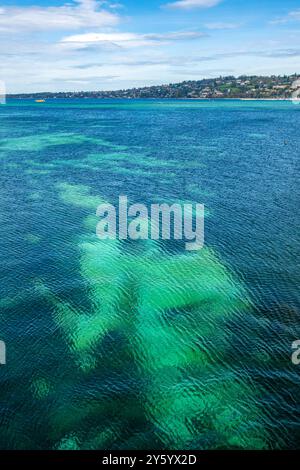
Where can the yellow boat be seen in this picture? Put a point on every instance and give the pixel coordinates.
(40, 101)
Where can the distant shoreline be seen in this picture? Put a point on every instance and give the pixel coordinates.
(244, 87)
(149, 99)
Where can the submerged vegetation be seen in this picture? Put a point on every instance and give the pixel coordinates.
(160, 313)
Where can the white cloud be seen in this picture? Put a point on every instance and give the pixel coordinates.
(188, 4)
(127, 40)
(176, 36)
(117, 40)
(82, 14)
(291, 16)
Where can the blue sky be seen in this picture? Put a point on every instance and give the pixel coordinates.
(55, 45)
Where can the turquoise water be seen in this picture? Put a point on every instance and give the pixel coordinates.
(142, 345)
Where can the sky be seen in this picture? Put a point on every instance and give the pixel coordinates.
(66, 45)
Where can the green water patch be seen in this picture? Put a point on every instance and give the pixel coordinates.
(70, 442)
(72, 163)
(177, 305)
(134, 171)
(78, 195)
(38, 142)
(35, 196)
(258, 136)
(170, 313)
(32, 238)
(91, 164)
(7, 303)
(184, 303)
(10, 166)
(40, 387)
(124, 163)
(37, 172)
(39, 165)
(41, 141)
(143, 161)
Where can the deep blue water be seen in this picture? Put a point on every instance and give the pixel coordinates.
(114, 345)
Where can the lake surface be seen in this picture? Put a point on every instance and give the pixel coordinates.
(143, 345)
